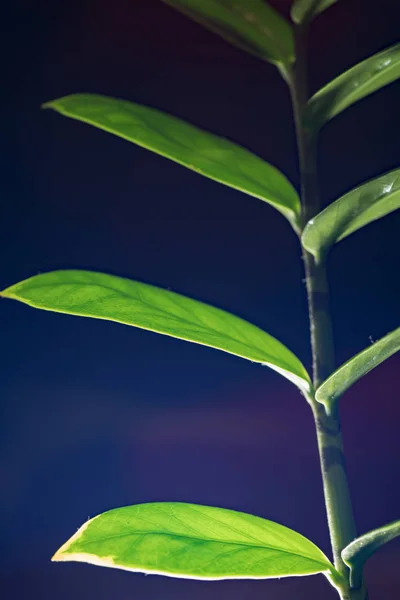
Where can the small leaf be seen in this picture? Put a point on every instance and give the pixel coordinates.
(358, 366)
(358, 552)
(252, 26)
(101, 296)
(359, 207)
(205, 153)
(194, 542)
(303, 11)
(365, 78)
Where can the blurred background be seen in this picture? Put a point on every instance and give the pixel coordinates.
(96, 415)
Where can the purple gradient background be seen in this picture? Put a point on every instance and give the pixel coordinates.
(96, 415)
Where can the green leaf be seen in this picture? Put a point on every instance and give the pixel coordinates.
(195, 542)
(358, 552)
(365, 78)
(205, 153)
(303, 11)
(253, 26)
(358, 366)
(101, 296)
(362, 205)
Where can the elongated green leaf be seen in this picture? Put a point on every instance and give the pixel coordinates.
(253, 26)
(303, 11)
(205, 153)
(358, 366)
(192, 541)
(362, 205)
(101, 296)
(365, 78)
(358, 552)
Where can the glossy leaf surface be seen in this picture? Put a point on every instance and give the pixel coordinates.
(365, 78)
(253, 26)
(362, 205)
(193, 541)
(101, 296)
(358, 552)
(303, 11)
(357, 367)
(205, 153)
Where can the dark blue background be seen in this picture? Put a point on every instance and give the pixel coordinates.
(96, 415)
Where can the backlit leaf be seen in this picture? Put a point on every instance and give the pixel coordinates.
(194, 542)
(253, 26)
(101, 296)
(303, 11)
(358, 552)
(365, 78)
(362, 205)
(200, 151)
(358, 366)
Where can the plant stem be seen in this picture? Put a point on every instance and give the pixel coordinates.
(336, 490)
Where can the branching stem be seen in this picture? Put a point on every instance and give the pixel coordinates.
(336, 490)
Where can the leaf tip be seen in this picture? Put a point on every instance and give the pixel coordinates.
(58, 556)
(46, 105)
(6, 293)
(11, 293)
(64, 554)
(56, 104)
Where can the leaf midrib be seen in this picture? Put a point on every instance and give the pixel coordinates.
(205, 540)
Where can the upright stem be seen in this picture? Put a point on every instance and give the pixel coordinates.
(336, 491)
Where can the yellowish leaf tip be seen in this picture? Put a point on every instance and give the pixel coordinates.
(62, 554)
